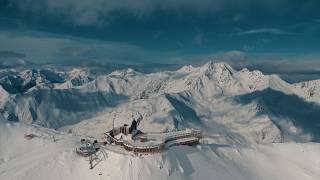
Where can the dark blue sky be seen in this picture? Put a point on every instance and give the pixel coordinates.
(159, 31)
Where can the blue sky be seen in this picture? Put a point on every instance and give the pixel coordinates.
(160, 31)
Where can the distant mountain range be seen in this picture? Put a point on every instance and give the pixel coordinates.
(238, 106)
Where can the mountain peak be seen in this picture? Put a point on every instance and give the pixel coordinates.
(77, 72)
(79, 76)
(186, 68)
(217, 67)
(124, 72)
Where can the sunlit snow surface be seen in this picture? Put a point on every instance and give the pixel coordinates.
(41, 158)
(255, 126)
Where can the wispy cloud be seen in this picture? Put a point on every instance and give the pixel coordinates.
(272, 63)
(43, 47)
(291, 68)
(199, 39)
(273, 31)
(10, 54)
(94, 12)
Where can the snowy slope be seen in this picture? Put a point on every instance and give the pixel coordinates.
(41, 158)
(256, 126)
(235, 106)
(4, 95)
(215, 97)
(74, 78)
(310, 90)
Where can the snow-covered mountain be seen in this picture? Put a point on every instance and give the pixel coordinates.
(242, 106)
(28, 79)
(242, 114)
(310, 90)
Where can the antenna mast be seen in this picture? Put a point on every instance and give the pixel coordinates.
(114, 116)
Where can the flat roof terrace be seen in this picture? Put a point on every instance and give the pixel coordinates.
(155, 142)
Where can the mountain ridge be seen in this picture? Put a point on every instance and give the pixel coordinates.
(203, 97)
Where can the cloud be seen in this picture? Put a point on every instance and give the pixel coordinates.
(199, 39)
(95, 12)
(10, 54)
(44, 47)
(291, 68)
(12, 59)
(273, 31)
(232, 56)
(271, 63)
